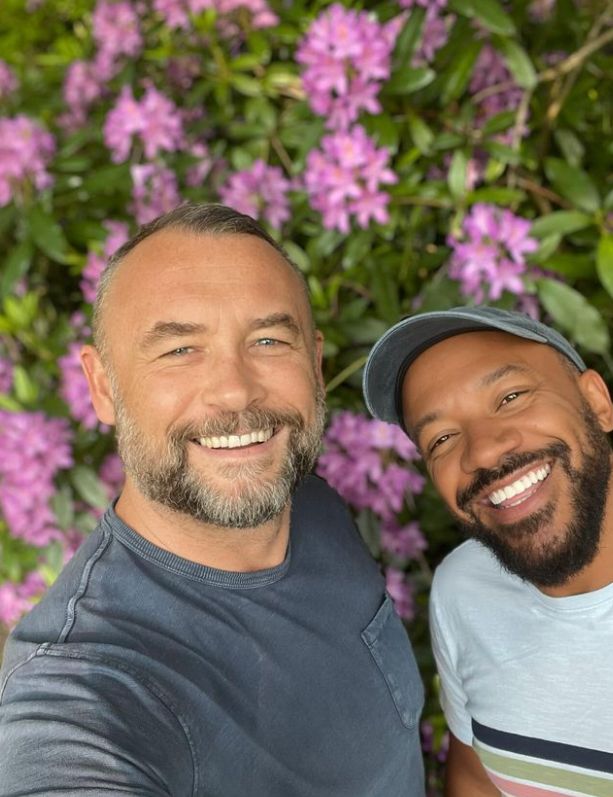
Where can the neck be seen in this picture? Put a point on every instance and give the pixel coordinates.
(235, 550)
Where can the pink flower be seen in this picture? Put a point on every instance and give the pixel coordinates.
(8, 81)
(403, 541)
(366, 462)
(116, 30)
(34, 448)
(25, 152)
(94, 266)
(83, 85)
(343, 178)
(401, 592)
(260, 192)
(154, 119)
(490, 70)
(489, 256)
(154, 191)
(346, 56)
(17, 599)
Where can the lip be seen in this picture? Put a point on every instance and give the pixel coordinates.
(535, 498)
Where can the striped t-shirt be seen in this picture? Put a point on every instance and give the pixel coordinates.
(526, 679)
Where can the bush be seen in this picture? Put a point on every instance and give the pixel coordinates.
(417, 154)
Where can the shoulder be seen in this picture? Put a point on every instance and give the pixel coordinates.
(471, 573)
(315, 498)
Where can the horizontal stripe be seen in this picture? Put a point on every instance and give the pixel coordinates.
(543, 775)
(517, 789)
(568, 754)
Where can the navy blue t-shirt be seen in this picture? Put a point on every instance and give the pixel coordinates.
(144, 673)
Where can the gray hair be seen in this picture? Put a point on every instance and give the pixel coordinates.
(201, 219)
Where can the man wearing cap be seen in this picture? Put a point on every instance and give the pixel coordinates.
(513, 429)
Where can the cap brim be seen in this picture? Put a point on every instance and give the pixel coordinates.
(404, 342)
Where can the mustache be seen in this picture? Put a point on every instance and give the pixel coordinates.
(485, 478)
(228, 423)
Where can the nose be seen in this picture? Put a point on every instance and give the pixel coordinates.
(486, 443)
(231, 383)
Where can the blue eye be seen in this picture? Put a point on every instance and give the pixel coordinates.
(179, 351)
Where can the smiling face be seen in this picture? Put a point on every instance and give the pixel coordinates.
(211, 376)
(515, 443)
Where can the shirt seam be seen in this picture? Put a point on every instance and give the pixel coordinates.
(49, 649)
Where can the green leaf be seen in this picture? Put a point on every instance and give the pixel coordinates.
(410, 80)
(89, 486)
(47, 234)
(25, 388)
(407, 39)
(570, 145)
(604, 261)
(573, 183)
(548, 247)
(519, 63)
(21, 310)
(488, 13)
(498, 195)
(458, 76)
(561, 222)
(63, 508)
(575, 315)
(421, 134)
(570, 265)
(16, 266)
(456, 176)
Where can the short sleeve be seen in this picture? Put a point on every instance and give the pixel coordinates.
(453, 697)
(75, 726)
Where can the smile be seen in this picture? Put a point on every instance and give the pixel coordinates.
(236, 440)
(520, 489)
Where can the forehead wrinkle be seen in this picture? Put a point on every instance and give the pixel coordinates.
(500, 373)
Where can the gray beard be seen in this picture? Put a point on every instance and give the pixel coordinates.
(251, 497)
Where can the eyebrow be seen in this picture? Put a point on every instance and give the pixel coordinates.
(164, 330)
(276, 320)
(486, 381)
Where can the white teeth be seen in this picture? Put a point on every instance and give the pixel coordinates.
(519, 486)
(236, 441)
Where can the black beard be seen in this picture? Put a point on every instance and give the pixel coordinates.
(556, 561)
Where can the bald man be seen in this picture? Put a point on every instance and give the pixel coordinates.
(223, 632)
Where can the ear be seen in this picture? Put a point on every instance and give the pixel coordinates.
(318, 357)
(99, 385)
(596, 393)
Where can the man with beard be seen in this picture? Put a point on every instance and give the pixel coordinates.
(512, 428)
(224, 631)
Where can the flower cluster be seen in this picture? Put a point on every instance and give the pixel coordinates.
(94, 266)
(16, 599)
(401, 591)
(260, 191)
(25, 151)
(154, 191)
(368, 463)
(84, 83)
(435, 31)
(343, 178)
(346, 55)
(8, 81)
(116, 31)
(489, 255)
(154, 119)
(176, 12)
(491, 71)
(34, 448)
